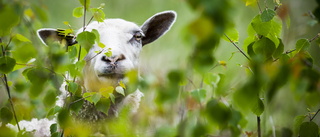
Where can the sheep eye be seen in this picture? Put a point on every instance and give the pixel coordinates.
(138, 36)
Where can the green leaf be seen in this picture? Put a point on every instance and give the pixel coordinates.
(78, 12)
(112, 98)
(53, 111)
(6, 115)
(77, 105)
(211, 79)
(309, 129)
(272, 27)
(108, 53)
(64, 118)
(53, 128)
(49, 99)
(92, 97)
(218, 112)
(7, 64)
(85, 3)
(278, 52)
(21, 38)
(120, 90)
(72, 87)
(103, 105)
(267, 15)
(86, 39)
(105, 92)
(233, 34)
(23, 52)
(199, 94)
(97, 34)
(98, 14)
(297, 122)
(302, 45)
(11, 19)
(101, 45)
(122, 84)
(264, 47)
(258, 108)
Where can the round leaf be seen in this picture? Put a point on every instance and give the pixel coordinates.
(218, 112)
(309, 129)
(86, 39)
(78, 12)
(6, 115)
(258, 108)
(7, 64)
(264, 47)
(8, 14)
(267, 15)
(302, 45)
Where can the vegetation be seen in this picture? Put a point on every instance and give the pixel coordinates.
(226, 68)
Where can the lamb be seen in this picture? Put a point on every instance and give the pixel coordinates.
(125, 40)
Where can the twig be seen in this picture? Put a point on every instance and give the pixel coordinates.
(77, 101)
(90, 20)
(259, 6)
(259, 126)
(315, 37)
(5, 81)
(315, 115)
(237, 47)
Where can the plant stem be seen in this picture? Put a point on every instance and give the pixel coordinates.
(5, 81)
(259, 6)
(315, 115)
(315, 37)
(259, 126)
(237, 47)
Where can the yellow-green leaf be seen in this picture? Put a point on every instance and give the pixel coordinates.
(233, 34)
(105, 92)
(78, 12)
(122, 85)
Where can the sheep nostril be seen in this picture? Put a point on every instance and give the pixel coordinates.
(106, 59)
(113, 59)
(120, 57)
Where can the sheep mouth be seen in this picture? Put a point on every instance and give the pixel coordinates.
(112, 75)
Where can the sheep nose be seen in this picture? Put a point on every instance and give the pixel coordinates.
(113, 59)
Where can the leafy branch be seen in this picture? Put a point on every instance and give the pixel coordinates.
(235, 45)
(5, 81)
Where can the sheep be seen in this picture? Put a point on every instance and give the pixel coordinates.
(125, 40)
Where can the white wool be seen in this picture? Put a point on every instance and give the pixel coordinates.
(40, 128)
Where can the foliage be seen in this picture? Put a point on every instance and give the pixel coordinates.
(197, 99)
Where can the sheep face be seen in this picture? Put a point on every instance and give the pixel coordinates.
(124, 39)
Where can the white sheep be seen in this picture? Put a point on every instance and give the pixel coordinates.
(125, 39)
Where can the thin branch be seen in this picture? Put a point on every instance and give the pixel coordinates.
(315, 37)
(77, 101)
(84, 15)
(237, 47)
(259, 126)
(315, 115)
(259, 6)
(90, 20)
(5, 81)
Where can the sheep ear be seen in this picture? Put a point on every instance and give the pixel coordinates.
(157, 25)
(51, 35)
